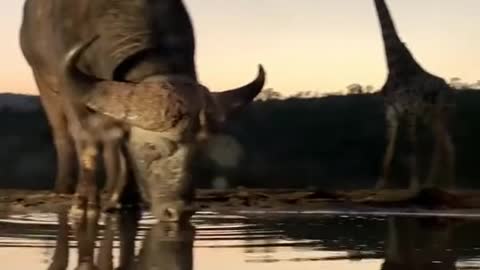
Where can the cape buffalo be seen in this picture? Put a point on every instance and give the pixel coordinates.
(118, 78)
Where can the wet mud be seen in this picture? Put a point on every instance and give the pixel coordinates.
(276, 199)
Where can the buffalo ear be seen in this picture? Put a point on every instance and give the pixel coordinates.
(231, 101)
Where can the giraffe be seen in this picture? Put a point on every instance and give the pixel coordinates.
(412, 93)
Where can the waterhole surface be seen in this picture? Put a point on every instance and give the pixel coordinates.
(244, 240)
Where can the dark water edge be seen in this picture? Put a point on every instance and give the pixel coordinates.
(216, 241)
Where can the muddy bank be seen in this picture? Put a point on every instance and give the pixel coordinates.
(268, 199)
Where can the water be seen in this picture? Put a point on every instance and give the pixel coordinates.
(253, 241)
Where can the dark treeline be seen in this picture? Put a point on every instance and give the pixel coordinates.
(328, 142)
(338, 142)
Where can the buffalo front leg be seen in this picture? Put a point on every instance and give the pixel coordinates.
(86, 196)
(64, 145)
(116, 165)
(111, 162)
(392, 129)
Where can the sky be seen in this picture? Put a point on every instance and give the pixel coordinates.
(304, 45)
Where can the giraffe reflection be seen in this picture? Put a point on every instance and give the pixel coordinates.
(414, 243)
(167, 246)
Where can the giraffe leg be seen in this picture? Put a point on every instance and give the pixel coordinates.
(412, 136)
(448, 150)
(450, 153)
(437, 151)
(435, 161)
(392, 130)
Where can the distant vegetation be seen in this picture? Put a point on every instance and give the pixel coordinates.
(27, 157)
(355, 88)
(330, 141)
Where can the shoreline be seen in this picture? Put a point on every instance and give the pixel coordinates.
(267, 202)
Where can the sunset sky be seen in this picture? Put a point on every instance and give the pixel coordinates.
(314, 45)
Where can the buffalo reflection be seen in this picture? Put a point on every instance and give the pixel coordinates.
(166, 246)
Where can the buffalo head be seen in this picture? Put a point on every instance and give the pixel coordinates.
(167, 117)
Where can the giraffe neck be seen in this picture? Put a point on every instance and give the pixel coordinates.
(400, 61)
